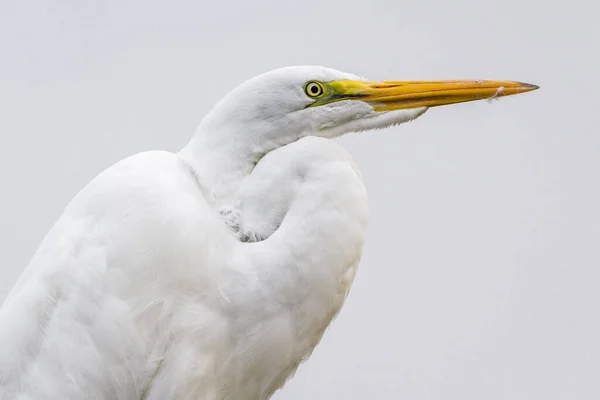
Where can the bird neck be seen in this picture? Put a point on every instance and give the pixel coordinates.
(220, 161)
(307, 205)
(227, 146)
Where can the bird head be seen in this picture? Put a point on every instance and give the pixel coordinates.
(283, 105)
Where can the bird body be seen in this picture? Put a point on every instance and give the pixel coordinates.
(145, 278)
(207, 274)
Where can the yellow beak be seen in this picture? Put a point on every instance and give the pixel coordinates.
(398, 95)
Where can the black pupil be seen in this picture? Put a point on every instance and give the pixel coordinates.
(314, 89)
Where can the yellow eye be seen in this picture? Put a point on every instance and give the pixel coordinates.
(314, 89)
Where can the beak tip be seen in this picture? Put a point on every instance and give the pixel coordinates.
(528, 86)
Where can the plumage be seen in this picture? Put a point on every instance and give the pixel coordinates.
(211, 273)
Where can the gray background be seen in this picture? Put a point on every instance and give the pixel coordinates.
(480, 278)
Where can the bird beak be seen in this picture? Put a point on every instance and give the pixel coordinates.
(398, 95)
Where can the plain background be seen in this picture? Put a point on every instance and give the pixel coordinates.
(481, 274)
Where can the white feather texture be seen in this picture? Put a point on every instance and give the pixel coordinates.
(207, 274)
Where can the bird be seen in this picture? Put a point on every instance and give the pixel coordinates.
(211, 272)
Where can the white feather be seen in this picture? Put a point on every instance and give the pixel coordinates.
(143, 290)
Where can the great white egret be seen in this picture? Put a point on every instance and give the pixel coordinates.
(211, 273)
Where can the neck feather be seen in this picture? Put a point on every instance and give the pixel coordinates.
(221, 158)
(224, 152)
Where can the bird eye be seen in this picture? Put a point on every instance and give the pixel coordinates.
(314, 89)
